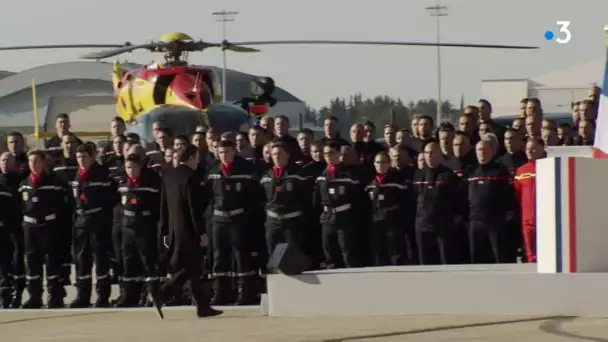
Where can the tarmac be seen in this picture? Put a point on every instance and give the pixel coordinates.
(247, 324)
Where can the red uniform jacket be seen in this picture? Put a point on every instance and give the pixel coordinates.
(524, 183)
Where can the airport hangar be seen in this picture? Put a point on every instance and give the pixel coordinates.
(556, 89)
(84, 91)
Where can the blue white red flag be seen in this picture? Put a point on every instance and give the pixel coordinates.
(600, 146)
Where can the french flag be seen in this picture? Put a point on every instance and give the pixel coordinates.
(600, 147)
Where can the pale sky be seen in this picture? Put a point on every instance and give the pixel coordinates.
(317, 73)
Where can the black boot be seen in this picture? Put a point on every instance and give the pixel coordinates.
(5, 300)
(155, 292)
(221, 291)
(104, 289)
(34, 290)
(18, 294)
(83, 297)
(247, 291)
(56, 293)
(130, 295)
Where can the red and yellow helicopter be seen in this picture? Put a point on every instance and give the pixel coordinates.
(184, 95)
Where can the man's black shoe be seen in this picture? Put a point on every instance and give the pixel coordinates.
(208, 311)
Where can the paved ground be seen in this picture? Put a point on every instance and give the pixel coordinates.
(248, 325)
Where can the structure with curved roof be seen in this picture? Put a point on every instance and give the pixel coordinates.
(84, 90)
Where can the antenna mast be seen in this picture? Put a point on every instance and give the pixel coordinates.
(224, 17)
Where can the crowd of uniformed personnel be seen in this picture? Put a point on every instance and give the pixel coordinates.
(445, 196)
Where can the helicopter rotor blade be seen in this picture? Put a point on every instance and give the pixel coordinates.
(120, 50)
(237, 48)
(386, 43)
(61, 46)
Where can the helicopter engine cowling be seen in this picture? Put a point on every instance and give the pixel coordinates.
(188, 88)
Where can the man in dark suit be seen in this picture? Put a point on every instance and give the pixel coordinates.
(184, 231)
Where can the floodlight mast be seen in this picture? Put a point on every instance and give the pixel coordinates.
(438, 12)
(224, 17)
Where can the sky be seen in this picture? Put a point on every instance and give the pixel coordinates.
(317, 73)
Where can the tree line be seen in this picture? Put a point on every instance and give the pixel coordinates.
(381, 110)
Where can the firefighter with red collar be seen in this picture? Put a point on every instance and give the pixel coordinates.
(9, 225)
(337, 190)
(140, 200)
(388, 199)
(231, 188)
(95, 195)
(282, 189)
(44, 198)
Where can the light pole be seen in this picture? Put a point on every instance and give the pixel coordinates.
(224, 17)
(438, 12)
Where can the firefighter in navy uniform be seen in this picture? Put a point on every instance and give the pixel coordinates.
(114, 159)
(53, 144)
(491, 197)
(66, 167)
(10, 224)
(282, 189)
(16, 146)
(95, 195)
(231, 186)
(401, 162)
(387, 194)
(437, 191)
(140, 200)
(10, 178)
(163, 141)
(44, 198)
(514, 158)
(335, 191)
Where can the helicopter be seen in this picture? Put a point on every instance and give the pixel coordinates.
(185, 96)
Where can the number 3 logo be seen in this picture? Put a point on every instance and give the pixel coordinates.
(564, 27)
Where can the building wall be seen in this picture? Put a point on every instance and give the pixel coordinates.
(16, 111)
(504, 95)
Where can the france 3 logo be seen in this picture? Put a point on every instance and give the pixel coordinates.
(563, 36)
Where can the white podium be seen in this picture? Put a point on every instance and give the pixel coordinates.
(572, 215)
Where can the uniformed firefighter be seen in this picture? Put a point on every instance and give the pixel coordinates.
(163, 141)
(95, 195)
(10, 224)
(10, 178)
(16, 146)
(282, 188)
(53, 144)
(281, 130)
(491, 197)
(437, 190)
(44, 197)
(140, 199)
(402, 163)
(232, 191)
(388, 196)
(117, 127)
(66, 167)
(336, 189)
(114, 159)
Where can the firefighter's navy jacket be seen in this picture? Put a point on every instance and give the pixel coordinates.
(95, 196)
(232, 195)
(284, 196)
(140, 200)
(43, 202)
(10, 215)
(338, 195)
(115, 164)
(437, 198)
(388, 196)
(156, 160)
(65, 168)
(513, 161)
(490, 193)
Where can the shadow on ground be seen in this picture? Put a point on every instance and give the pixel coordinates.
(558, 319)
(33, 319)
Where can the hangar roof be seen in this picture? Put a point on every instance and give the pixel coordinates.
(10, 83)
(574, 76)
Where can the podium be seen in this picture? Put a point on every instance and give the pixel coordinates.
(572, 215)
